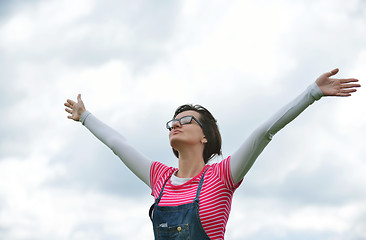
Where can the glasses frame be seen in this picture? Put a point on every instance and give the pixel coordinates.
(180, 122)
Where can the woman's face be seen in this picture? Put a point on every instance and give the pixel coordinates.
(187, 134)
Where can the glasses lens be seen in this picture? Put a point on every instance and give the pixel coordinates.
(182, 121)
(169, 125)
(186, 120)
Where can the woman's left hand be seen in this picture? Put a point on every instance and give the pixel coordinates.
(336, 87)
(75, 108)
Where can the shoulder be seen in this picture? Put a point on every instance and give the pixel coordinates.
(223, 165)
(158, 168)
(222, 171)
(159, 172)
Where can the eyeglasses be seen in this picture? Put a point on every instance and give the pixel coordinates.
(182, 121)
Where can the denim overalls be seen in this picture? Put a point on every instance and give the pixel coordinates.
(180, 222)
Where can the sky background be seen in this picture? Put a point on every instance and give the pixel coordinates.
(135, 62)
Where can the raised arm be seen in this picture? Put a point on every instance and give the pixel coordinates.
(133, 159)
(243, 159)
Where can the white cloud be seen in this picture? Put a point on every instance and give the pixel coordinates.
(32, 208)
(278, 219)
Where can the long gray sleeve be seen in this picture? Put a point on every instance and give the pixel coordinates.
(133, 159)
(243, 159)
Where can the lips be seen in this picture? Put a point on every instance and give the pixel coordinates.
(176, 132)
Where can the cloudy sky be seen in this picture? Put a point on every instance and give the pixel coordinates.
(134, 62)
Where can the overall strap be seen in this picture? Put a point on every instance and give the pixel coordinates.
(157, 200)
(162, 189)
(200, 186)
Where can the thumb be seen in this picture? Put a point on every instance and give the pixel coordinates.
(79, 98)
(333, 72)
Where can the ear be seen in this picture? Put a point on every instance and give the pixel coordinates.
(203, 140)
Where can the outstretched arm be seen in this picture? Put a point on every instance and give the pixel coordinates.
(133, 159)
(243, 159)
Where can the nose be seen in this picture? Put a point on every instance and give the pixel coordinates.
(176, 124)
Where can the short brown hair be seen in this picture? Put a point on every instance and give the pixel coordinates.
(209, 128)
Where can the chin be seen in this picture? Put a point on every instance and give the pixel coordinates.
(179, 142)
(175, 143)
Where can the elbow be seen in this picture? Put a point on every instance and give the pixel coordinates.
(269, 136)
(263, 133)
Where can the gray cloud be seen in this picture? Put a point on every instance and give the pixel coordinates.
(136, 32)
(8, 8)
(93, 167)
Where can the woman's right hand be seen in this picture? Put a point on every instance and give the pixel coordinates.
(342, 87)
(75, 108)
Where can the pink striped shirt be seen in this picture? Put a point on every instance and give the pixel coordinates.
(215, 198)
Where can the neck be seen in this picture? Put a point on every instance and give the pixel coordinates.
(191, 163)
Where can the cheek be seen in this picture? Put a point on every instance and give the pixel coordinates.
(195, 136)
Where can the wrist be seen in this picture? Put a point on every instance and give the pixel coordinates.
(84, 116)
(316, 92)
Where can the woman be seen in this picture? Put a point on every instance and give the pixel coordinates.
(193, 201)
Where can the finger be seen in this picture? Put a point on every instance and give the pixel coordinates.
(343, 94)
(67, 104)
(69, 117)
(350, 85)
(348, 90)
(71, 102)
(346, 93)
(348, 80)
(68, 110)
